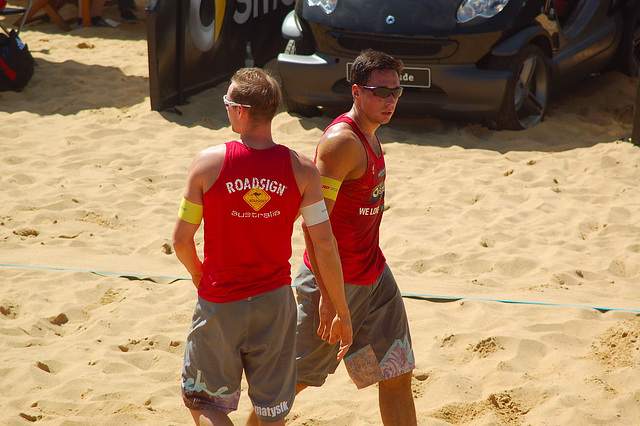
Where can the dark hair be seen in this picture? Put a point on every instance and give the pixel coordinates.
(258, 88)
(370, 60)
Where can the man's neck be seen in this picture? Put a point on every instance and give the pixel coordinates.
(257, 137)
(368, 129)
(366, 126)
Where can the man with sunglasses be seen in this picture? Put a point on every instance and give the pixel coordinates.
(250, 192)
(350, 159)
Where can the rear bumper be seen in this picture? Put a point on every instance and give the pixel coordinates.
(460, 89)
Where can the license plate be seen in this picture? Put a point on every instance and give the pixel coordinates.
(411, 76)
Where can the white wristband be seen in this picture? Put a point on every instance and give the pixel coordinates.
(315, 213)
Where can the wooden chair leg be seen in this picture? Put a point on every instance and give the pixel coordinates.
(55, 17)
(36, 6)
(86, 12)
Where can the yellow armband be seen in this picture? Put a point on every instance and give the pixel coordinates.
(330, 188)
(190, 212)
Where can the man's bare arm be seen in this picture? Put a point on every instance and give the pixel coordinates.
(205, 165)
(326, 258)
(340, 157)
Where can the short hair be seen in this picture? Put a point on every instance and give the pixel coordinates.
(369, 60)
(258, 88)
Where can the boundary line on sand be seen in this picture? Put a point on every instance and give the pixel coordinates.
(428, 297)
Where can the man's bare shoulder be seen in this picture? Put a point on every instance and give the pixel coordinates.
(341, 154)
(305, 172)
(301, 163)
(340, 136)
(208, 158)
(213, 152)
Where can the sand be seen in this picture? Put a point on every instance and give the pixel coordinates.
(95, 307)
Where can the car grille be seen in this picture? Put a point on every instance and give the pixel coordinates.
(401, 47)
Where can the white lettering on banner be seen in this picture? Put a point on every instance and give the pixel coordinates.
(251, 9)
(369, 211)
(204, 36)
(247, 184)
(283, 407)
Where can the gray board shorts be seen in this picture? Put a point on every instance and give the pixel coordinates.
(381, 346)
(257, 335)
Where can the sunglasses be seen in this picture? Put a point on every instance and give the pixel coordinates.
(228, 103)
(384, 92)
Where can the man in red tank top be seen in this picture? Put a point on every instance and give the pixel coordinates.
(350, 159)
(250, 192)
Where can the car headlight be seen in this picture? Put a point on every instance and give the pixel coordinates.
(327, 5)
(470, 9)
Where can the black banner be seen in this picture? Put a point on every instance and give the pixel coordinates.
(635, 130)
(196, 44)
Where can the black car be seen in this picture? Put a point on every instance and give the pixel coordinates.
(497, 60)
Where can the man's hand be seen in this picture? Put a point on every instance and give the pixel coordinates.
(333, 328)
(327, 313)
(341, 330)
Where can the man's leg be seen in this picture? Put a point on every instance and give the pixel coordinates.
(253, 418)
(126, 8)
(210, 418)
(96, 8)
(396, 401)
(210, 368)
(218, 418)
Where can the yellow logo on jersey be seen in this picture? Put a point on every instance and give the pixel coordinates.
(256, 198)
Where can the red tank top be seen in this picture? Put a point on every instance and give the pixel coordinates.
(248, 221)
(356, 217)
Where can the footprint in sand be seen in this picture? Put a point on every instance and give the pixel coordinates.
(26, 232)
(485, 347)
(619, 346)
(9, 311)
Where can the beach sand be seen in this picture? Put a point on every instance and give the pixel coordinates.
(95, 307)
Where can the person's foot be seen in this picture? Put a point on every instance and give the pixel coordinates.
(99, 22)
(128, 16)
(96, 21)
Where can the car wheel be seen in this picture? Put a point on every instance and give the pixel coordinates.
(300, 47)
(628, 55)
(526, 97)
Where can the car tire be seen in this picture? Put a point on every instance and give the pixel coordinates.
(527, 94)
(299, 47)
(627, 57)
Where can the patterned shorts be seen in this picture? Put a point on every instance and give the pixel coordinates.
(381, 341)
(255, 335)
